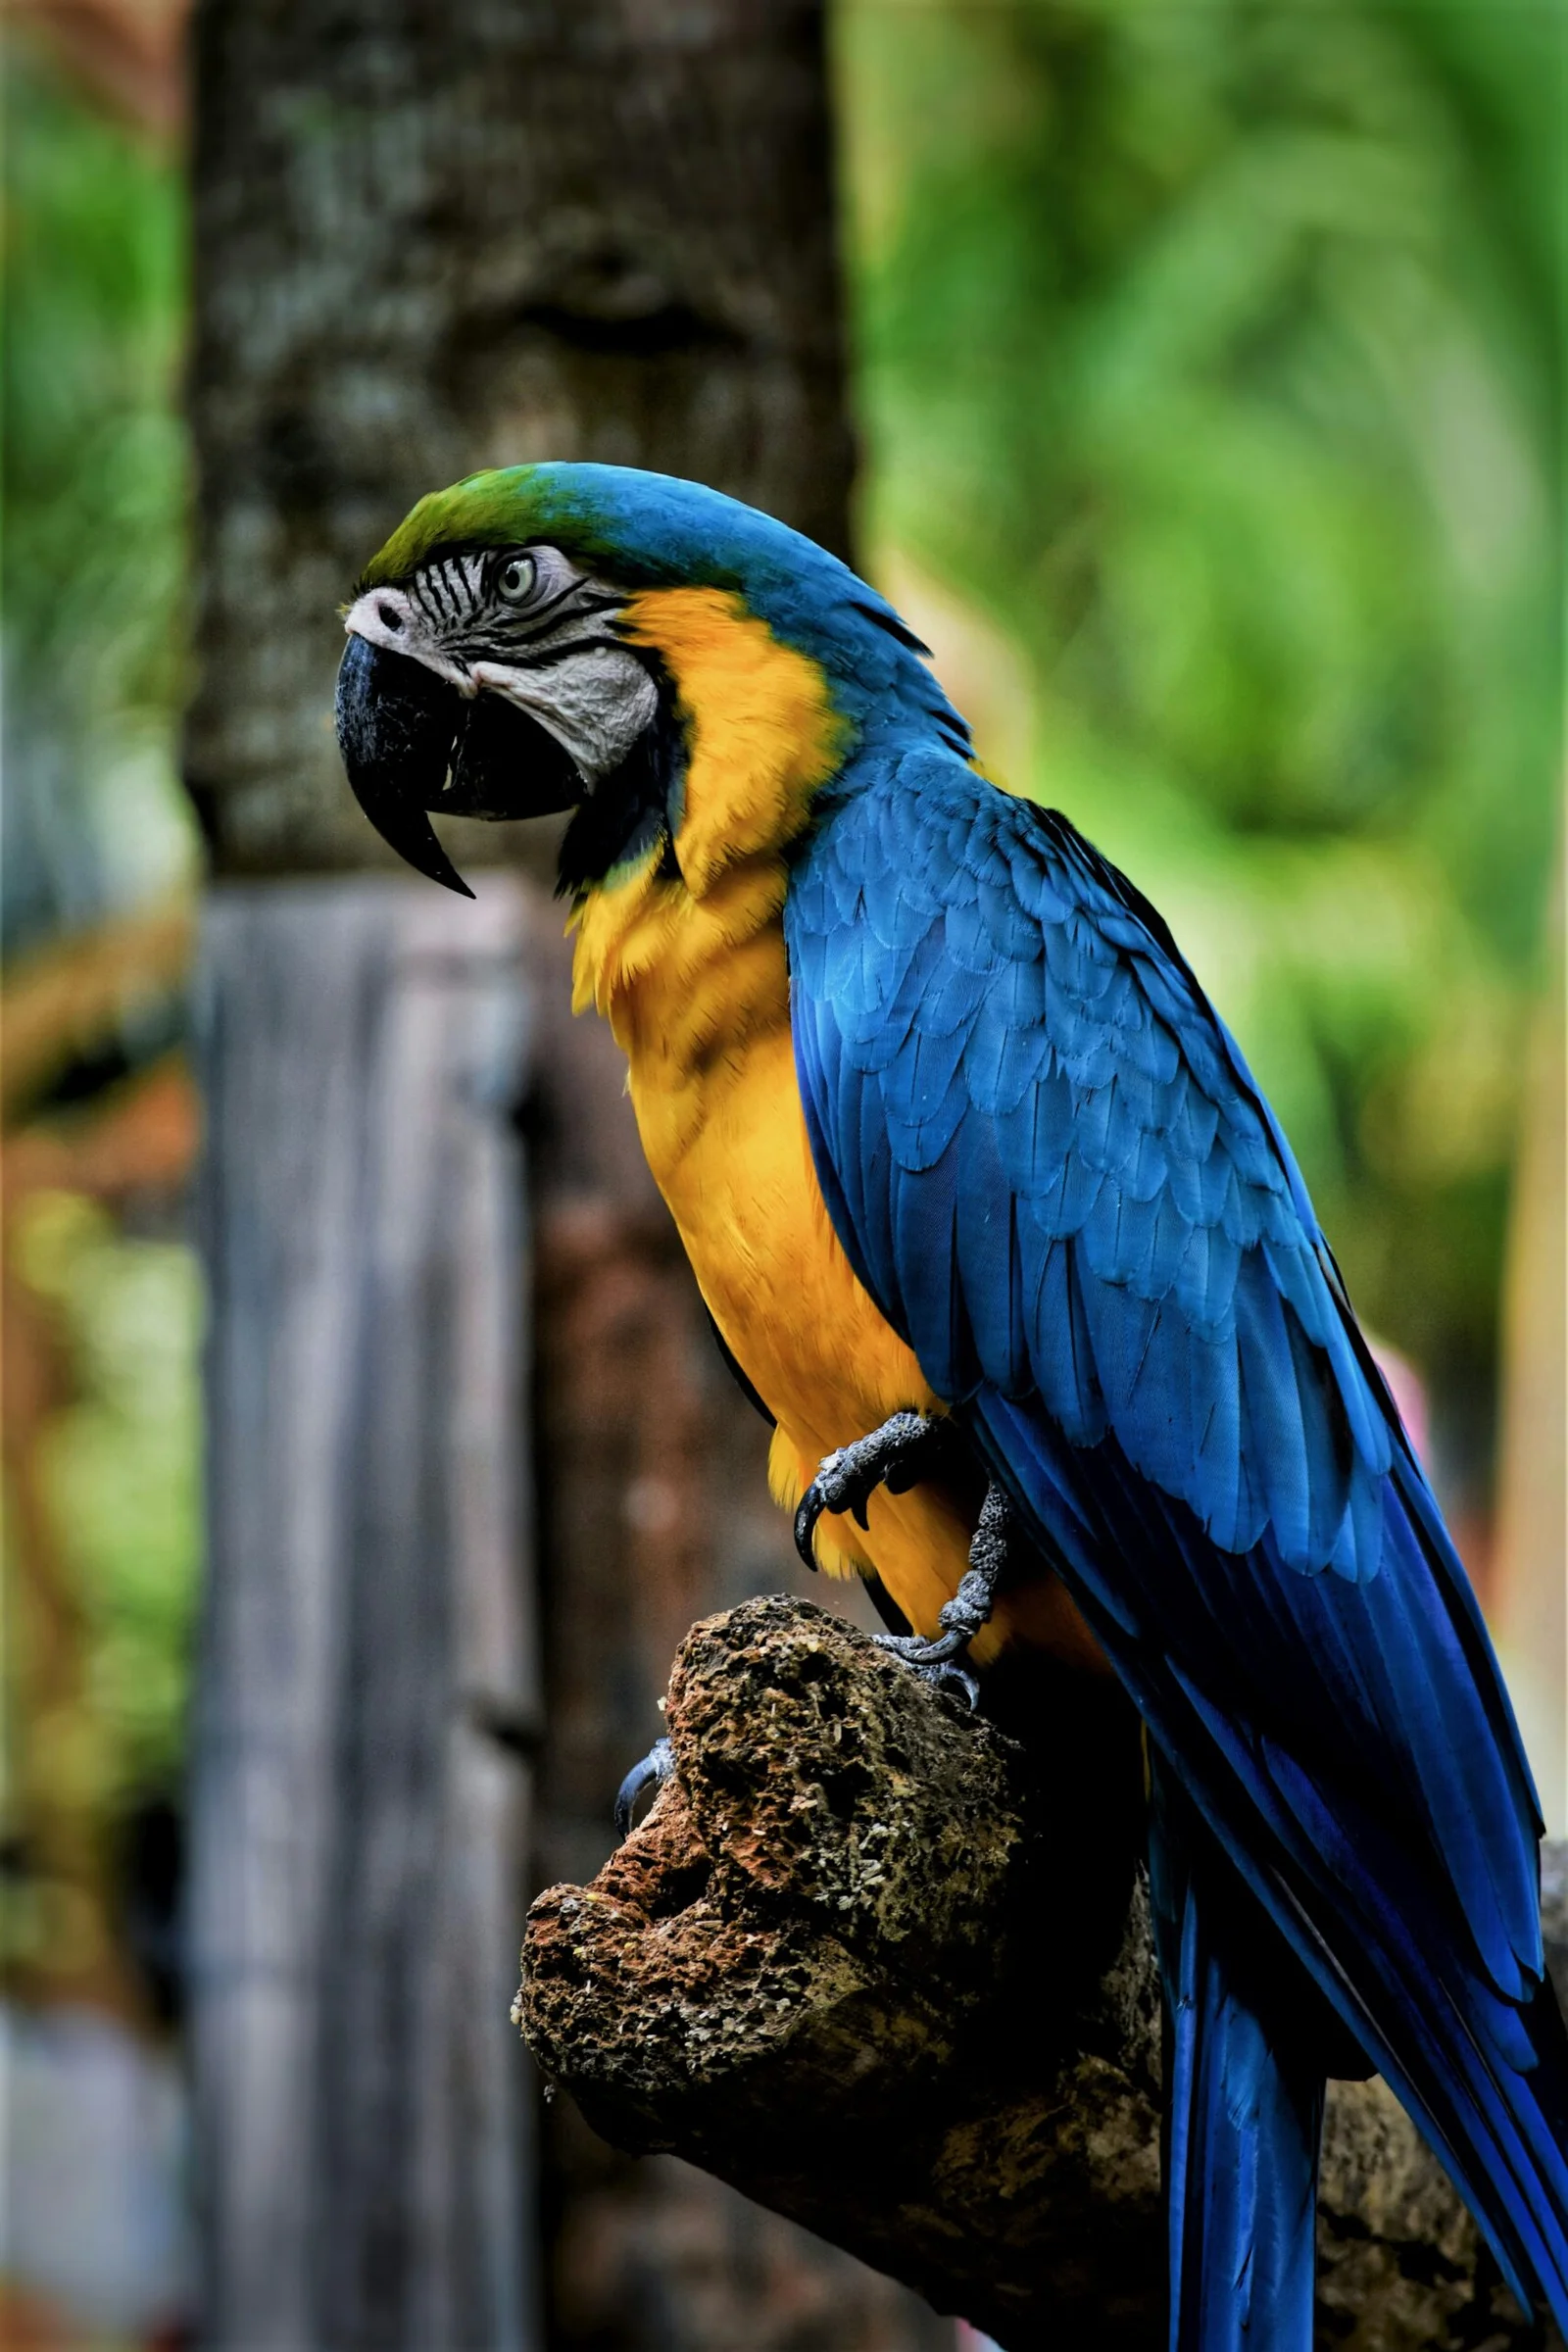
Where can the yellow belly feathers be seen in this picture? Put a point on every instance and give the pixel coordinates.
(690, 972)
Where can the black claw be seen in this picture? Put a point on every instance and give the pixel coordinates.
(812, 1505)
(959, 1682)
(907, 1448)
(654, 1769)
(896, 1455)
(936, 1664)
(936, 1660)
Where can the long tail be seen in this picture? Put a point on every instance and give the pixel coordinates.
(1244, 2114)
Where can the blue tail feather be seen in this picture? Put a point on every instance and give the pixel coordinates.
(1243, 2117)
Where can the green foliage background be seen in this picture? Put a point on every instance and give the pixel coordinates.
(1212, 349)
(121, 1477)
(94, 485)
(92, 584)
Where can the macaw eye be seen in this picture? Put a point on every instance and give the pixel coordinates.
(515, 582)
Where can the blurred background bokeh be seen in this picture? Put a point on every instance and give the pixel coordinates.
(1203, 364)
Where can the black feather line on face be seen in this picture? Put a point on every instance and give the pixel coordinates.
(636, 804)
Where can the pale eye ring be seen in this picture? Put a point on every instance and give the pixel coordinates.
(517, 579)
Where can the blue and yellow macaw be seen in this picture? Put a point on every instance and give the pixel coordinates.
(994, 1220)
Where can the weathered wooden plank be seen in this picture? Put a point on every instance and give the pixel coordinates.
(369, 1687)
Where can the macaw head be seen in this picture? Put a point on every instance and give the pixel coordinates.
(549, 637)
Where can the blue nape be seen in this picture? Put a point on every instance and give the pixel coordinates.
(654, 530)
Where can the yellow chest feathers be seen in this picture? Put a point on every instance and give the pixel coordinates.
(690, 972)
(690, 969)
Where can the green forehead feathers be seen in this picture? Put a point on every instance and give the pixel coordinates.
(484, 510)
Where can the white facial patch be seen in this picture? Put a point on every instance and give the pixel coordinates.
(389, 617)
(595, 702)
(529, 626)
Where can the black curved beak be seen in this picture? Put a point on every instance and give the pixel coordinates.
(411, 743)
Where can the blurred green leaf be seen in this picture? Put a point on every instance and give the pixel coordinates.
(93, 562)
(1212, 351)
(120, 1472)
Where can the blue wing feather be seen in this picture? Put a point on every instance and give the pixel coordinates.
(1049, 1164)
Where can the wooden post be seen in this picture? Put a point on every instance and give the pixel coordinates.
(367, 1687)
(431, 238)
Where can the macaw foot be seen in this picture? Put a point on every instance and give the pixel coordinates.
(651, 1773)
(907, 1448)
(938, 1660)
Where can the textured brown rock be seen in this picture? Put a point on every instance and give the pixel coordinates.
(815, 1971)
(840, 1967)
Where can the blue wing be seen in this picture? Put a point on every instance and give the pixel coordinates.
(1050, 1167)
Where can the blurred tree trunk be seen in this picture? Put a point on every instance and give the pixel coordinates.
(430, 239)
